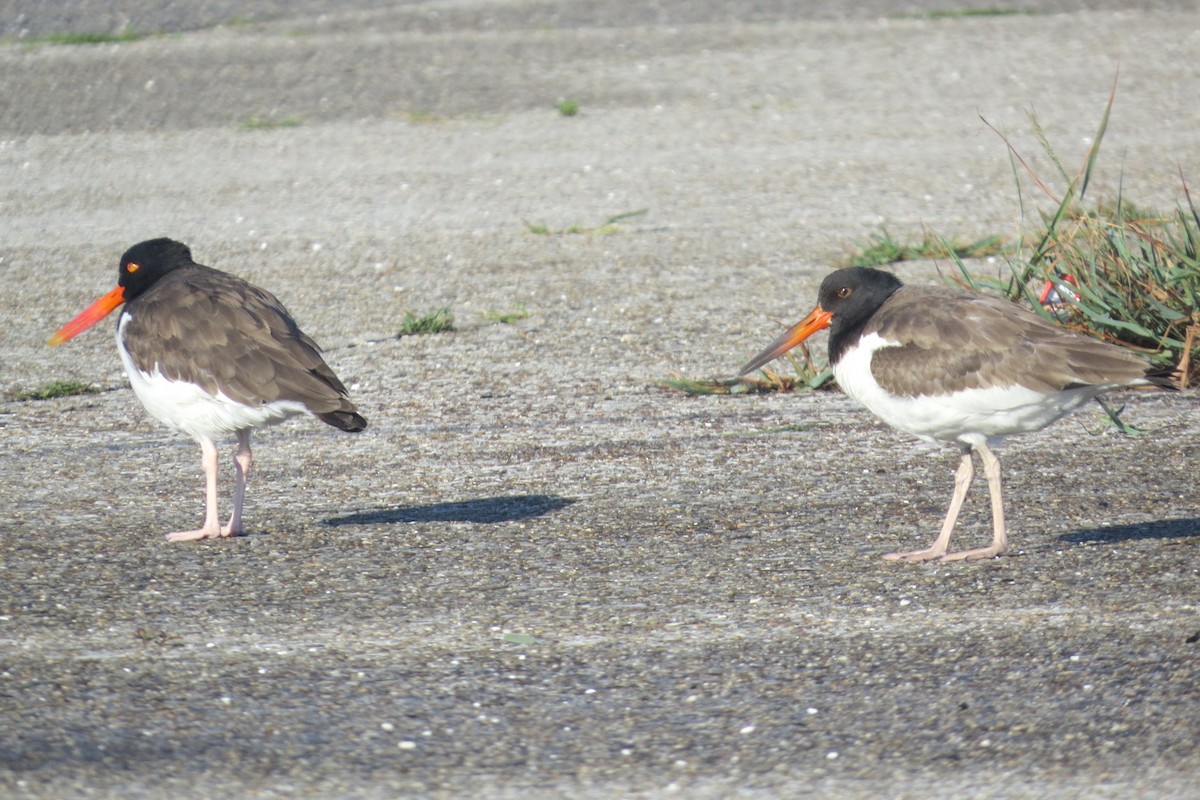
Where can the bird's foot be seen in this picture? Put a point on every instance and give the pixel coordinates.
(978, 554)
(933, 554)
(207, 532)
(191, 536)
(917, 556)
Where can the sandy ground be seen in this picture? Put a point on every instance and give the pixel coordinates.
(538, 573)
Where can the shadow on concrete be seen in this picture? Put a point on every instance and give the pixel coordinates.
(1164, 529)
(485, 509)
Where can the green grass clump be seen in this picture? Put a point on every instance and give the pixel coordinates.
(439, 321)
(56, 389)
(885, 249)
(568, 107)
(1135, 273)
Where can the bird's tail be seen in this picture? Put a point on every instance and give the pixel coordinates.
(346, 420)
(1164, 377)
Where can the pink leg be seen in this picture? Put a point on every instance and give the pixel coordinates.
(962, 482)
(212, 527)
(999, 545)
(241, 464)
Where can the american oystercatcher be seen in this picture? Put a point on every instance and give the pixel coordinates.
(957, 367)
(209, 354)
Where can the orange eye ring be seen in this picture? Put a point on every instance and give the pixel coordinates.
(132, 267)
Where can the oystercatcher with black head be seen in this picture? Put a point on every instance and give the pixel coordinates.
(956, 367)
(211, 355)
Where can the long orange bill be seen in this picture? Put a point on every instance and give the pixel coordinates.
(817, 320)
(89, 316)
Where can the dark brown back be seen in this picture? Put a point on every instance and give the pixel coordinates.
(956, 340)
(216, 330)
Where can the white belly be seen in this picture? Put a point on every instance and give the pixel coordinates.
(188, 408)
(970, 416)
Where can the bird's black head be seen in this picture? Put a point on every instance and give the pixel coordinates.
(141, 266)
(845, 302)
(851, 296)
(146, 262)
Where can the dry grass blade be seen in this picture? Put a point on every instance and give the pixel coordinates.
(764, 382)
(807, 375)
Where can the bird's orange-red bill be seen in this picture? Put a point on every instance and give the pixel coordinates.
(89, 316)
(815, 321)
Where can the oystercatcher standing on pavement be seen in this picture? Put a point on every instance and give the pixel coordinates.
(210, 355)
(956, 367)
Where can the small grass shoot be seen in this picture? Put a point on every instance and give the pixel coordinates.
(966, 13)
(796, 427)
(266, 123)
(423, 117)
(508, 317)
(883, 249)
(568, 107)
(609, 226)
(149, 636)
(55, 390)
(89, 37)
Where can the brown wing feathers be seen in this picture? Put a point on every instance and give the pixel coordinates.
(223, 333)
(961, 340)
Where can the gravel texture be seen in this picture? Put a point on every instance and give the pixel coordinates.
(538, 573)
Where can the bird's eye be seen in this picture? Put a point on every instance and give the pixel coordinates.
(132, 268)
(845, 291)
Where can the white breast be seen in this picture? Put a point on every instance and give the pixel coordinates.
(970, 416)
